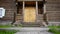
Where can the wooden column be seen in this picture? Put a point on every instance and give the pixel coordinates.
(23, 6)
(44, 8)
(45, 12)
(23, 9)
(36, 10)
(45, 16)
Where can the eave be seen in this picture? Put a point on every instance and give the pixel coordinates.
(29, 0)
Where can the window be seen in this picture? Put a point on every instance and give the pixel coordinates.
(2, 12)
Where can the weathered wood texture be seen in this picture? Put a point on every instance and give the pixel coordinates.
(52, 7)
(10, 7)
(29, 0)
(53, 10)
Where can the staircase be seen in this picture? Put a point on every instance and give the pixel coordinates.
(38, 23)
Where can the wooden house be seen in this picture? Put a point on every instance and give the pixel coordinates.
(31, 12)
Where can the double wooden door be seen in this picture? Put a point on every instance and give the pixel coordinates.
(29, 14)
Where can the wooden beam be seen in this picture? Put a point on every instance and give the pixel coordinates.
(29, 0)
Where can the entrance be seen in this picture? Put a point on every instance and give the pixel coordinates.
(29, 12)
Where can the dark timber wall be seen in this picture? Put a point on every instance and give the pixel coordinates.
(53, 10)
(52, 6)
(10, 7)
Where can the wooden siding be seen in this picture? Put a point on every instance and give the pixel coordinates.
(10, 7)
(53, 10)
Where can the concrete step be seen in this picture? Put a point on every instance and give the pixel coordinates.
(25, 29)
(30, 30)
(36, 32)
(31, 25)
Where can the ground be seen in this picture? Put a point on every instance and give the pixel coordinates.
(31, 30)
(34, 30)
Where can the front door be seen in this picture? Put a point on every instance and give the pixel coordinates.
(29, 14)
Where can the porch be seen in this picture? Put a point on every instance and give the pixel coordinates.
(30, 13)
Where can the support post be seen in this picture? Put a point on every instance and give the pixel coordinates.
(45, 15)
(44, 8)
(23, 9)
(36, 9)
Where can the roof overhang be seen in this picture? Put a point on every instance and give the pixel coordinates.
(29, 0)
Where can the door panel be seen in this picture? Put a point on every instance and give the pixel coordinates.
(29, 14)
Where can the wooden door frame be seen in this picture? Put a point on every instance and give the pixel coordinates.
(36, 2)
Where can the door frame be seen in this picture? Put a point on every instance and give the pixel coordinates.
(36, 5)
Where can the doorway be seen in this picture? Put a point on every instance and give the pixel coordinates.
(30, 12)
